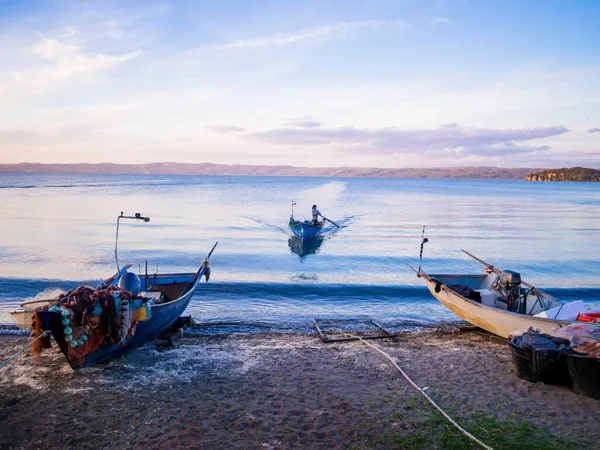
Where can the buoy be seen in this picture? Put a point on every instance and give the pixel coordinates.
(588, 317)
(65, 313)
(65, 321)
(68, 330)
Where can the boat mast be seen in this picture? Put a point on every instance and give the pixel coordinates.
(137, 216)
(424, 240)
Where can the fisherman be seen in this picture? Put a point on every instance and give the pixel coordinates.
(315, 215)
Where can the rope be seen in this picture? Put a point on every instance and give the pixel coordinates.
(423, 393)
(23, 349)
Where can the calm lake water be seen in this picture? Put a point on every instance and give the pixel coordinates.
(59, 231)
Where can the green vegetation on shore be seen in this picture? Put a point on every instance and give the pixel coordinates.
(566, 174)
(418, 425)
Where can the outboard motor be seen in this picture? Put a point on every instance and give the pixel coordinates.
(510, 285)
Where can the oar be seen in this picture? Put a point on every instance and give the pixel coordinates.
(328, 220)
(498, 271)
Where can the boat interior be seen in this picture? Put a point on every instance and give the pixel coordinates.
(163, 288)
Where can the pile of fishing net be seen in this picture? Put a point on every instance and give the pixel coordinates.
(92, 318)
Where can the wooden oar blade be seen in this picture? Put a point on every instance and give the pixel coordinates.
(329, 220)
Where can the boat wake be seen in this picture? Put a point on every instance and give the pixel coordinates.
(328, 230)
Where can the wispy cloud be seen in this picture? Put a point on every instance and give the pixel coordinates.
(227, 129)
(305, 123)
(55, 59)
(69, 31)
(336, 31)
(440, 20)
(451, 138)
(594, 130)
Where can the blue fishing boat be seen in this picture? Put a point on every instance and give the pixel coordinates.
(93, 324)
(307, 229)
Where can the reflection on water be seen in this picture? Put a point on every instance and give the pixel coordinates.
(305, 247)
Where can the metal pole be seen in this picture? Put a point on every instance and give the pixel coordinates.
(423, 241)
(137, 216)
(116, 241)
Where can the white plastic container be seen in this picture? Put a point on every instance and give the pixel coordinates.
(488, 297)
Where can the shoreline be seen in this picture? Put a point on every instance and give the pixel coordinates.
(276, 391)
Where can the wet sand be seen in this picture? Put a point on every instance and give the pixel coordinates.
(286, 391)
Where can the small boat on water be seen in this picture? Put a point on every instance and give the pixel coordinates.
(92, 324)
(500, 302)
(307, 229)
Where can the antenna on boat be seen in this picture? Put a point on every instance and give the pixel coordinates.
(137, 216)
(423, 241)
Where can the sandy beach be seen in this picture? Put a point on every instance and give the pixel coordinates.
(289, 391)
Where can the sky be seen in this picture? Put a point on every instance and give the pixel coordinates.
(323, 83)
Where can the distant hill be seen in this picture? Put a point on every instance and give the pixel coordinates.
(172, 168)
(566, 174)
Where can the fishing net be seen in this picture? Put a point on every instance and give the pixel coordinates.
(92, 318)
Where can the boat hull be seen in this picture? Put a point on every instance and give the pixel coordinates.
(305, 231)
(494, 320)
(22, 319)
(162, 317)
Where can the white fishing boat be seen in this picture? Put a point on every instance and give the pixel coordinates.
(500, 302)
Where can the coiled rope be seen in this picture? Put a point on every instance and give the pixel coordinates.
(24, 348)
(423, 393)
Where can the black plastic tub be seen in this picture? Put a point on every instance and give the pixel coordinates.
(585, 374)
(541, 365)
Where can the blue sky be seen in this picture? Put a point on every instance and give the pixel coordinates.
(318, 83)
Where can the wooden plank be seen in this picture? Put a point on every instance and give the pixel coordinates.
(323, 338)
(384, 330)
(330, 340)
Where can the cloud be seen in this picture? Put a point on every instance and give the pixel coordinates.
(51, 61)
(225, 129)
(451, 138)
(303, 124)
(336, 31)
(594, 130)
(68, 60)
(440, 20)
(69, 31)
